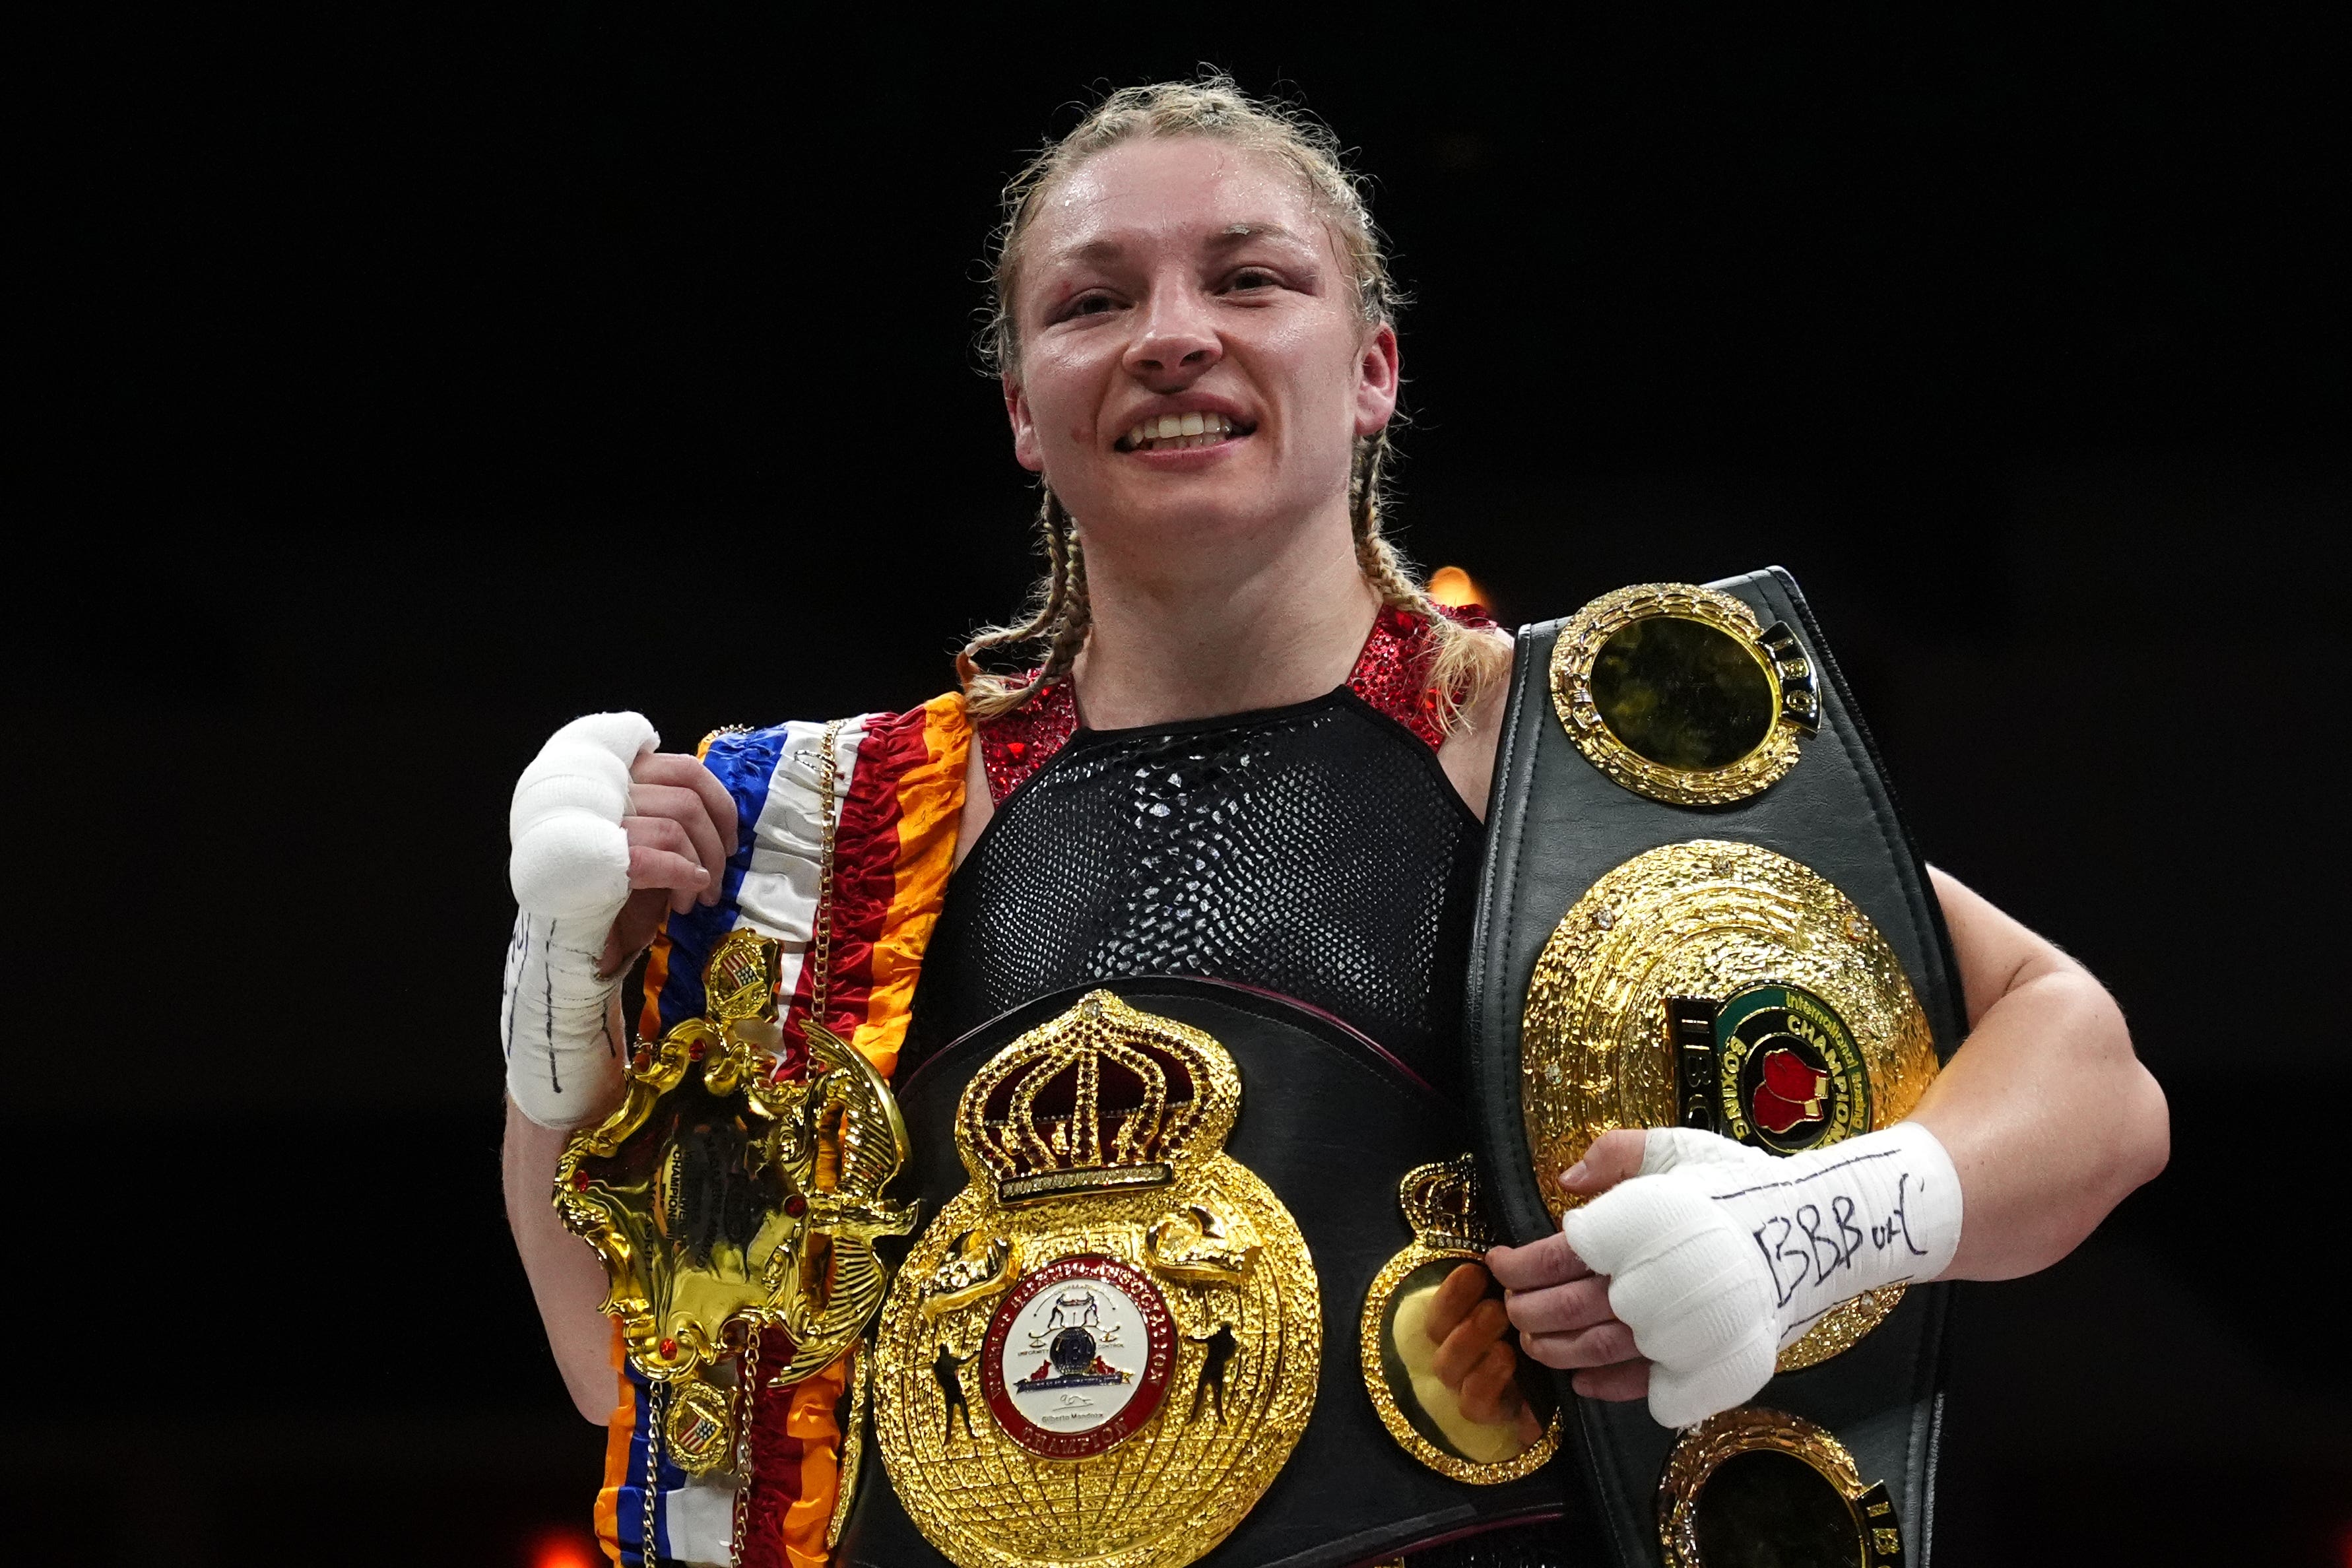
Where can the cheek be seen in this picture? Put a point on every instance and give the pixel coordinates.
(1062, 398)
(1319, 365)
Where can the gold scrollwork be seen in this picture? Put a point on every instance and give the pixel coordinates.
(974, 1268)
(853, 1440)
(730, 1199)
(1104, 1349)
(1710, 918)
(1441, 1203)
(1679, 693)
(1200, 1245)
(1752, 1454)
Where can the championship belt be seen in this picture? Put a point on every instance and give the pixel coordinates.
(725, 1198)
(737, 1190)
(1700, 909)
(1185, 1234)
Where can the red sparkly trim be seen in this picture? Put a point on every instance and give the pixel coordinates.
(1016, 744)
(1390, 674)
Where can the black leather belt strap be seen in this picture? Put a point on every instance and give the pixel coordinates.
(1330, 1122)
(1555, 825)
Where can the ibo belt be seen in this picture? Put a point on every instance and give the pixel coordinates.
(1700, 908)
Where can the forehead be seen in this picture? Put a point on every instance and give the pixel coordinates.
(1157, 192)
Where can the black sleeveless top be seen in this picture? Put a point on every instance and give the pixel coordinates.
(1316, 850)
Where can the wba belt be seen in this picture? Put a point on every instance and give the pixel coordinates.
(1167, 1303)
(1700, 908)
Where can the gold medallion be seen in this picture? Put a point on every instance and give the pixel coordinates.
(698, 1426)
(1426, 1416)
(1753, 1480)
(1679, 693)
(1104, 1349)
(1718, 984)
(724, 1199)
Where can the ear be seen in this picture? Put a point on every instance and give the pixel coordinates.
(1378, 377)
(1025, 451)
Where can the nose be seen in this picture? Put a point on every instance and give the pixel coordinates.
(1175, 341)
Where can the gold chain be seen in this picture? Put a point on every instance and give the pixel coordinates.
(747, 1395)
(653, 1403)
(820, 981)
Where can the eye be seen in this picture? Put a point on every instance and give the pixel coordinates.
(1252, 278)
(1088, 305)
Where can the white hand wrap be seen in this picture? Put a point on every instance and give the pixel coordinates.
(570, 872)
(1718, 1255)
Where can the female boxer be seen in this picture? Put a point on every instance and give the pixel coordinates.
(1195, 333)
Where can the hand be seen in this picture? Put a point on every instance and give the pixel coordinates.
(1559, 1306)
(1476, 1358)
(682, 827)
(1719, 1255)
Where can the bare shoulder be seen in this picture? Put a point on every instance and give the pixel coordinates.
(1468, 754)
(979, 805)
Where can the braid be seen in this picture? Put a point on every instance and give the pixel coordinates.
(1062, 614)
(1375, 556)
(1467, 665)
(1078, 613)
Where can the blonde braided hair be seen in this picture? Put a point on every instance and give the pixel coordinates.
(1467, 665)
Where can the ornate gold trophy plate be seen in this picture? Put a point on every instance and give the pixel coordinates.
(1102, 1349)
(1718, 984)
(725, 1199)
(1426, 1416)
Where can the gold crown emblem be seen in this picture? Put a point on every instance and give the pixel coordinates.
(1102, 1097)
(1106, 1345)
(1441, 1203)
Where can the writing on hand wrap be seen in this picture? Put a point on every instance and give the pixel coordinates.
(1807, 1242)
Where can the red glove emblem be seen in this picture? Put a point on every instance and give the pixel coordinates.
(1790, 1091)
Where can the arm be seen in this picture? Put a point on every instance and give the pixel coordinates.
(566, 1279)
(2049, 1118)
(663, 824)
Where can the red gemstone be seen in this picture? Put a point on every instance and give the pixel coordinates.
(669, 1347)
(579, 1180)
(1019, 749)
(694, 1051)
(796, 1205)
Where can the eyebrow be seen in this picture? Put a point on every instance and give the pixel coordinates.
(1225, 239)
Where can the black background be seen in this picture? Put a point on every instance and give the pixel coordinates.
(401, 386)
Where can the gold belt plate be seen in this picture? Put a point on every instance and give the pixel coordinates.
(1105, 1348)
(1681, 694)
(723, 1199)
(1717, 983)
(1421, 1411)
(1752, 1483)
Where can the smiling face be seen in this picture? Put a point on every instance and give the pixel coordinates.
(1194, 367)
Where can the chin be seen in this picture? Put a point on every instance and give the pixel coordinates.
(1201, 514)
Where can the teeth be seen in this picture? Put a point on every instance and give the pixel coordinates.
(1179, 432)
